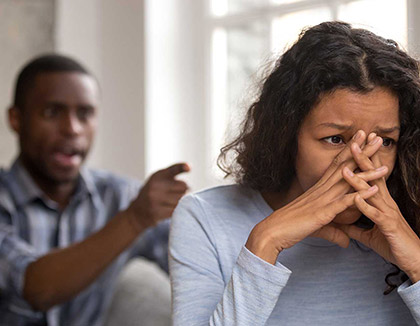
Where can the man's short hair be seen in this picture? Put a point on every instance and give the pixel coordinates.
(48, 63)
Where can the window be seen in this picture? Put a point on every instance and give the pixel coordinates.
(246, 34)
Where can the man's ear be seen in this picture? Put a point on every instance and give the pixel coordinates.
(15, 118)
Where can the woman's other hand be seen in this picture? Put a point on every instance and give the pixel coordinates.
(391, 237)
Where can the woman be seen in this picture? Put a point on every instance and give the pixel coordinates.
(325, 210)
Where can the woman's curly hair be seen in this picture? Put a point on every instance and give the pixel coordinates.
(326, 57)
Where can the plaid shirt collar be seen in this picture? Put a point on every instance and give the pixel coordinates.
(24, 189)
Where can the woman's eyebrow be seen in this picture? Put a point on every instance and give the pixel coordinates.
(335, 126)
(380, 130)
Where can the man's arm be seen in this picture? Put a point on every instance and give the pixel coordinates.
(63, 273)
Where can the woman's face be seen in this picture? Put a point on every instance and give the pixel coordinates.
(332, 123)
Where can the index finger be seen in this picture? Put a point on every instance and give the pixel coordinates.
(346, 154)
(174, 170)
(381, 183)
(363, 157)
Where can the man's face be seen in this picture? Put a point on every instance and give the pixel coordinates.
(330, 126)
(56, 127)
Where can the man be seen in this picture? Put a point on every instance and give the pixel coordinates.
(66, 230)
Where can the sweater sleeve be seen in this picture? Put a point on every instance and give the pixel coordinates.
(410, 293)
(200, 293)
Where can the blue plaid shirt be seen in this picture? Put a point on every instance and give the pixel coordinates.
(31, 225)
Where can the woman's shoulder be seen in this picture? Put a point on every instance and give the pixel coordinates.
(227, 204)
(223, 214)
(226, 195)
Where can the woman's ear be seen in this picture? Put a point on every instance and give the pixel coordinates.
(15, 117)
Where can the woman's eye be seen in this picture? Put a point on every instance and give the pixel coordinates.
(387, 142)
(334, 140)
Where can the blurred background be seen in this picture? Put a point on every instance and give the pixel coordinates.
(174, 73)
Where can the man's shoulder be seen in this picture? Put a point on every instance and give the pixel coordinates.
(4, 173)
(5, 177)
(6, 198)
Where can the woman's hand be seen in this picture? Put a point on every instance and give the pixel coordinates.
(312, 212)
(391, 237)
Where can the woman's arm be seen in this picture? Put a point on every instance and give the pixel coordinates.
(200, 295)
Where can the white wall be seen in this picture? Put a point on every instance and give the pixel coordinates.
(175, 92)
(413, 22)
(26, 30)
(107, 36)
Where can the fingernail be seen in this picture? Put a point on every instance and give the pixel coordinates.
(356, 136)
(374, 141)
(382, 168)
(371, 136)
(348, 172)
(373, 188)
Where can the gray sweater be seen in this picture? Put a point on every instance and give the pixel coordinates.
(217, 281)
